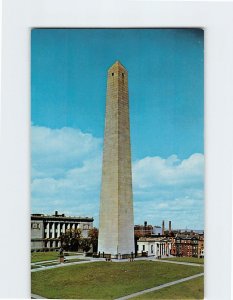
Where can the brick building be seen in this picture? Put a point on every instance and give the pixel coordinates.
(143, 230)
(187, 245)
(201, 247)
(147, 230)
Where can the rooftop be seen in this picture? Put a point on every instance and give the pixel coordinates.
(59, 216)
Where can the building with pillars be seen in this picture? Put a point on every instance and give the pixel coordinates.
(47, 229)
(154, 246)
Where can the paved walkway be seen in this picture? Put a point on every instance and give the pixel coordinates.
(90, 260)
(34, 296)
(160, 287)
(56, 260)
(179, 262)
(43, 268)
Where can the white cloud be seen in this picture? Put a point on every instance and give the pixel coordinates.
(169, 189)
(56, 150)
(74, 182)
(75, 193)
(66, 171)
(66, 176)
(156, 171)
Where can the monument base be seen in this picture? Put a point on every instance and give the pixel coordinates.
(116, 256)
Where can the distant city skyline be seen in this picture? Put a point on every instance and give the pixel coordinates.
(166, 98)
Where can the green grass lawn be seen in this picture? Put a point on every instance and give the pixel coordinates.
(186, 259)
(43, 256)
(106, 280)
(192, 289)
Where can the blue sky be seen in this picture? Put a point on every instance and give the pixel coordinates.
(68, 86)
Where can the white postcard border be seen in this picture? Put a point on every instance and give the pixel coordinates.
(18, 18)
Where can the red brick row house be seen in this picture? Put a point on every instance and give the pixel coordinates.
(189, 246)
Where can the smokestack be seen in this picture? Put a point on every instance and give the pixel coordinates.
(163, 228)
(170, 226)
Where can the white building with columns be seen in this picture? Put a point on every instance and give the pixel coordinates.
(47, 229)
(154, 246)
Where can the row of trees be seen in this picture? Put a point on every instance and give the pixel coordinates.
(72, 240)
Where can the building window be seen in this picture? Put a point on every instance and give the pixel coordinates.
(143, 247)
(35, 226)
(112, 74)
(152, 248)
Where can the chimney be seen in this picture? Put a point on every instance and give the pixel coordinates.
(163, 228)
(145, 223)
(56, 213)
(170, 226)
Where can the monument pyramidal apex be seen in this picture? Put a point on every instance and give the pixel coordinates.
(116, 228)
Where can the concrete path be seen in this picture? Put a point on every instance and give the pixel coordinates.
(84, 261)
(56, 260)
(43, 262)
(178, 262)
(160, 287)
(34, 296)
(43, 268)
(90, 260)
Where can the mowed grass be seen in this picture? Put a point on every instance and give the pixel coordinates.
(43, 256)
(50, 255)
(192, 289)
(106, 280)
(187, 259)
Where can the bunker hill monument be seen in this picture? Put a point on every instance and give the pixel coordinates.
(116, 227)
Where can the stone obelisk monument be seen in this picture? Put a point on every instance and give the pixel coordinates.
(116, 228)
